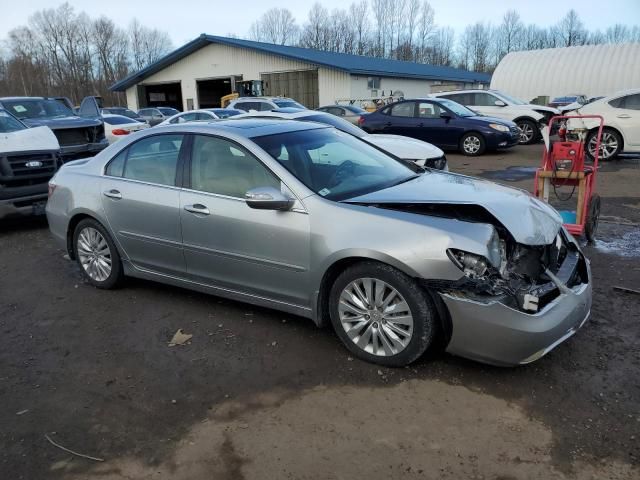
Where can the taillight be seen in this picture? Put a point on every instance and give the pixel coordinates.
(120, 131)
(52, 187)
(360, 120)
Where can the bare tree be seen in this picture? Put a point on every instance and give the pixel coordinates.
(570, 30)
(617, 33)
(147, 45)
(358, 16)
(426, 27)
(276, 25)
(510, 32)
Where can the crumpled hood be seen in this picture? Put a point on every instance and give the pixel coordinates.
(404, 147)
(62, 122)
(529, 220)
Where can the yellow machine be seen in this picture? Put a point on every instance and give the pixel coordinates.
(247, 88)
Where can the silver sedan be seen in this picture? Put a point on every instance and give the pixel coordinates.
(309, 220)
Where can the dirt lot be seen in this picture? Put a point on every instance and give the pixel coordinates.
(261, 395)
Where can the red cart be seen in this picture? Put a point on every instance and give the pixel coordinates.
(563, 164)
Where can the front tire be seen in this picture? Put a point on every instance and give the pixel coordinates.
(529, 132)
(610, 144)
(472, 144)
(382, 315)
(97, 255)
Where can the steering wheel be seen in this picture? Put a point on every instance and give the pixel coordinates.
(345, 168)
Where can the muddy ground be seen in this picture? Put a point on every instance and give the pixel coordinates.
(258, 394)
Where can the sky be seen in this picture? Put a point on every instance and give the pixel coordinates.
(221, 17)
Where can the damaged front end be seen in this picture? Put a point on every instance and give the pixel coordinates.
(514, 301)
(522, 277)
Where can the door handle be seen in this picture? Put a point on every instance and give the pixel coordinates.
(624, 115)
(113, 193)
(197, 208)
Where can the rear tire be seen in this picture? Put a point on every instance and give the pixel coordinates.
(97, 255)
(472, 144)
(529, 132)
(382, 315)
(610, 144)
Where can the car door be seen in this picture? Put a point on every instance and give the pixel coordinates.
(485, 103)
(626, 118)
(142, 203)
(433, 127)
(402, 120)
(232, 246)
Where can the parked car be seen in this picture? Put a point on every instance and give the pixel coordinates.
(405, 148)
(566, 100)
(202, 115)
(304, 218)
(29, 157)
(444, 123)
(351, 113)
(497, 104)
(155, 115)
(621, 113)
(117, 126)
(79, 135)
(262, 104)
(124, 112)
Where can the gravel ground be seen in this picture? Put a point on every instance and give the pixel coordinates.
(258, 394)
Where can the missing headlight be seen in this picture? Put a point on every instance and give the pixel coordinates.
(473, 266)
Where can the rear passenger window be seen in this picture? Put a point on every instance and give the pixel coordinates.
(265, 107)
(154, 159)
(404, 109)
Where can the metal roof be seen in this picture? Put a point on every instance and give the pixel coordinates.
(354, 64)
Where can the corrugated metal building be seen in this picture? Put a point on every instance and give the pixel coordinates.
(593, 70)
(199, 73)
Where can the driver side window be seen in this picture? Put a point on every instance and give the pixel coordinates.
(221, 167)
(404, 109)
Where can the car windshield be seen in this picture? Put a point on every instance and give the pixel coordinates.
(9, 123)
(564, 99)
(168, 111)
(226, 112)
(334, 164)
(510, 99)
(37, 108)
(123, 111)
(456, 108)
(288, 103)
(334, 121)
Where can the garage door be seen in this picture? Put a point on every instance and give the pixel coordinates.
(301, 85)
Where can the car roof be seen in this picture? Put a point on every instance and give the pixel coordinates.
(3, 99)
(115, 115)
(247, 127)
(251, 99)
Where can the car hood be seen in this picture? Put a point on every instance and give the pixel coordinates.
(29, 139)
(529, 220)
(62, 122)
(540, 108)
(487, 119)
(404, 147)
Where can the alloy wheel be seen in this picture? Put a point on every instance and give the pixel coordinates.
(608, 145)
(375, 317)
(471, 144)
(94, 254)
(526, 132)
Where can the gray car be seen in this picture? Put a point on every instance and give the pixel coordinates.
(307, 219)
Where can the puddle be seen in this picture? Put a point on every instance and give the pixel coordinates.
(512, 174)
(625, 245)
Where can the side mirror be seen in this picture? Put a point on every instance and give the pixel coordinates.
(268, 198)
(446, 115)
(499, 103)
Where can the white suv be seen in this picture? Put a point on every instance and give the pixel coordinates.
(263, 104)
(494, 103)
(621, 113)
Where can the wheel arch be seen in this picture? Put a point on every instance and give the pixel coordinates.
(75, 219)
(331, 273)
(609, 127)
(527, 117)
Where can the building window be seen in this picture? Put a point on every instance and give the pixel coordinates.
(373, 83)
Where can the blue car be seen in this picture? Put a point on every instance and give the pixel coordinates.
(444, 123)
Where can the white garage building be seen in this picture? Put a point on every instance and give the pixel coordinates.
(199, 73)
(593, 70)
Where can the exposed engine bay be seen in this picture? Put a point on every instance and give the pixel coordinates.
(520, 276)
